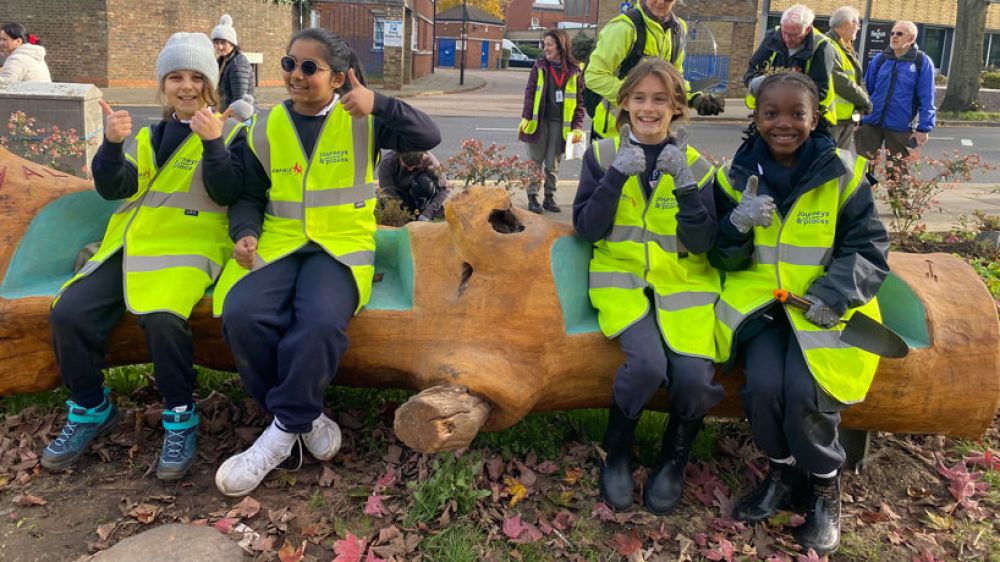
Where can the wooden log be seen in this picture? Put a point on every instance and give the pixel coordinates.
(441, 418)
(494, 299)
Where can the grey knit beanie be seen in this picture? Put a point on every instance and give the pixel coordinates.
(225, 30)
(188, 51)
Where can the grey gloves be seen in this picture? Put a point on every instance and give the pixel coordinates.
(820, 313)
(708, 104)
(673, 161)
(630, 160)
(754, 84)
(753, 210)
(242, 108)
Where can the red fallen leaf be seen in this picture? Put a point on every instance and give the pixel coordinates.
(544, 527)
(602, 512)
(374, 506)
(795, 520)
(28, 500)
(659, 535)
(810, 556)
(986, 459)
(926, 556)
(563, 520)
(387, 479)
(626, 544)
(725, 502)
(520, 532)
(288, 553)
(701, 539)
(349, 549)
(225, 525)
(245, 509)
(547, 467)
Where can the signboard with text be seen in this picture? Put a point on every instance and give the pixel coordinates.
(392, 34)
(876, 40)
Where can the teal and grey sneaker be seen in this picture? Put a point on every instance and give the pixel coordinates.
(83, 425)
(180, 443)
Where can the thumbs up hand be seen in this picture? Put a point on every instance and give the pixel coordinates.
(207, 125)
(359, 101)
(117, 124)
(630, 160)
(753, 210)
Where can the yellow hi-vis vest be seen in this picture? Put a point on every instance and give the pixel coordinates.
(175, 238)
(791, 254)
(642, 250)
(662, 46)
(843, 108)
(529, 126)
(826, 105)
(328, 199)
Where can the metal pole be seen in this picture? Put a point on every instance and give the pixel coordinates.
(465, 42)
(434, 35)
(864, 31)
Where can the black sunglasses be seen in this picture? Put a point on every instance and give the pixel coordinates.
(898, 33)
(308, 66)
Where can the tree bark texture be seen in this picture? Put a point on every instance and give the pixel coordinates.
(967, 58)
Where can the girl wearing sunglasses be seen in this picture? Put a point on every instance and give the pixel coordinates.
(305, 248)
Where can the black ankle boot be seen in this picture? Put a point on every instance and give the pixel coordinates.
(666, 483)
(616, 482)
(821, 531)
(783, 486)
(549, 204)
(533, 204)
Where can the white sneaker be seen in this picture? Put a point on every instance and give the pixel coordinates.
(323, 441)
(241, 473)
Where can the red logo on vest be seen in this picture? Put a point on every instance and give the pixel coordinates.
(297, 170)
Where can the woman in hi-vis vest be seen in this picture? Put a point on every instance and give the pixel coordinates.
(305, 244)
(797, 214)
(164, 246)
(552, 114)
(645, 203)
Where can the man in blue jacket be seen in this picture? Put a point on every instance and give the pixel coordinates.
(900, 81)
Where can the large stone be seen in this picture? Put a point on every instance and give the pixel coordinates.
(174, 542)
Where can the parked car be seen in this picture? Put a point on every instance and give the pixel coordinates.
(517, 58)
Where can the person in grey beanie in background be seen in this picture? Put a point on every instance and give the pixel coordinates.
(235, 74)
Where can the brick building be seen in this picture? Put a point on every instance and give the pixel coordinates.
(527, 20)
(116, 42)
(485, 36)
(393, 38)
(738, 25)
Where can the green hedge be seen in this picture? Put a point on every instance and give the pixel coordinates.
(991, 80)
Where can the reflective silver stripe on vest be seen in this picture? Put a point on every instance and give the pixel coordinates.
(793, 255)
(615, 280)
(728, 315)
(141, 264)
(822, 339)
(701, 170)
(340, 196)
(668, 242)
(262, 146)
(131, 150)
(357, 259)
(88, 268)
(359, 136)
(127, 205)
(684, 300)
(189, 201)
(285, 209)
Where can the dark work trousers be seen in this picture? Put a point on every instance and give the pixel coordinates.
(789, 414)
(650, 364)
(84, 316)
(546, 154)
(286, 324)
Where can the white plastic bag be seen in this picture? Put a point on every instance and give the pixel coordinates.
(575, 150)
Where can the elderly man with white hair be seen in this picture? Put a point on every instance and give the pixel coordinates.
(795, 45)
(851, 100)
(900, 81)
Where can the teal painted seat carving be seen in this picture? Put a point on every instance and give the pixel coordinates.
(44, 259)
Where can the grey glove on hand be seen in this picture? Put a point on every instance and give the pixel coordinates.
(820, 313)
(754, 85)
(753, 210)
(673, 161)
(630, 160)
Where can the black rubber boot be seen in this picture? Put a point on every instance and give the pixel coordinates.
(666, 484)
(549, 204)
(821, 531)
(533, 204)
(616, 482)
(783, 486)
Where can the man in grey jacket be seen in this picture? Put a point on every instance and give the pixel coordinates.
(848, 80)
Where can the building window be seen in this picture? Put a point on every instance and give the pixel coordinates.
(534, 22)
(991, 50)
(377, 33)
(414, 34)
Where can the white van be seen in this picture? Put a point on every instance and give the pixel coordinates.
(517, 58)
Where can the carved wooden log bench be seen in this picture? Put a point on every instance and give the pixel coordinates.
(487, 314)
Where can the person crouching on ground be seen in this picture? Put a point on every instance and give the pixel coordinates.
(645, 203)
(808, 225)
(305, 244)
(416, 180)
(164, 246)
(552, 114)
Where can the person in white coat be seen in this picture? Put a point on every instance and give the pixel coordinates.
(24, 57)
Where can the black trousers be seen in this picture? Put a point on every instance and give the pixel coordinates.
(790, 415)
(287, 327)
(650, 364)
(84, 316)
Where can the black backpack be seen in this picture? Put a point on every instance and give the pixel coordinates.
(592, 99)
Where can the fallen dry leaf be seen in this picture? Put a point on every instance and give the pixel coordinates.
(246, 509)
(572, 475)
(145, 513)
(288, 553)
(28, 500)
(349, 549)
(516, 489)
(326, 480)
